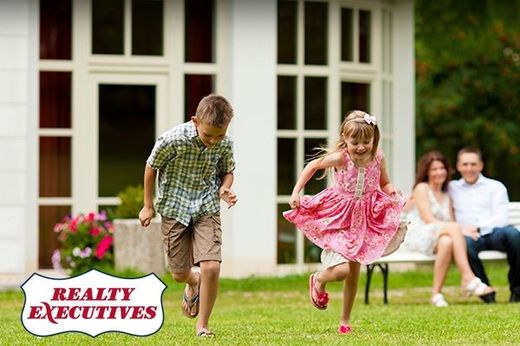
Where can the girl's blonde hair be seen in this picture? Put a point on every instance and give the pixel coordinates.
(357, 124)
(362, 126)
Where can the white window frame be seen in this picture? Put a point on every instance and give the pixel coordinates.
(336, 72)
(88, 70)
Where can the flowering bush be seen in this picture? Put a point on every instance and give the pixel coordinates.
(86, 242)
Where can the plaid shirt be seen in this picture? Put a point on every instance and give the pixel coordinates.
(189, 173)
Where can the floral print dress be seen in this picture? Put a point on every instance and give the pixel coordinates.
(422, 237)
(354, 218)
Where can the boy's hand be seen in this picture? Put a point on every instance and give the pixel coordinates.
(294, 202)
(228, 196)
(145, 216)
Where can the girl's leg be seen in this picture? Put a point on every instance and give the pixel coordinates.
(336, 273)
(442, 262)
(349, 292)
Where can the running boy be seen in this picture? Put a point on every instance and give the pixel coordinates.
(195, 165)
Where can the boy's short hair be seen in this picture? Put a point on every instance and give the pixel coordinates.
(214, 110)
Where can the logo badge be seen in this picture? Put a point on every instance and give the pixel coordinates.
(93, 303)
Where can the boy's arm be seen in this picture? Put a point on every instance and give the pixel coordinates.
(146, 214)
(225, 190)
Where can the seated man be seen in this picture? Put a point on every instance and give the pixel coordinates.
(481, 207)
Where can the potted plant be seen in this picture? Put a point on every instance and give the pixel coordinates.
(134, 246)
(86, 243)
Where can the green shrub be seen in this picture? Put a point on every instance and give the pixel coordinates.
(132, 200)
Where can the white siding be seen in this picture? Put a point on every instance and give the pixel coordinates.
(250, 245)
(18, 136)
(404, 96)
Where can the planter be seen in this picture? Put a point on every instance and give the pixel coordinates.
(137, 247)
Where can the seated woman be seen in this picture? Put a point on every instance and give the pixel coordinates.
(432, 229)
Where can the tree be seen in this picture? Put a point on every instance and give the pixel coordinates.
(468, 82)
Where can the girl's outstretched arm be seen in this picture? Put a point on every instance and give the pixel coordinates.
(334, 159)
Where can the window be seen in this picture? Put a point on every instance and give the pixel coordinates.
(126, 135)
(356, 35)
(318, 81)
(103, 105)
(144, 22)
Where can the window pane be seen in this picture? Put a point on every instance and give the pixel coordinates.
(314, 185)
(147, 27)
(315, 103)
(287, 27)
(108, 26)
(55, 29)
(364, 36)
(196, 86)
(312, 253)
(346, 34)
(316, 23)
(355, 96)
(55, 168)
(387, 41)
(55, 94)
(126, 135)
(286, 165)
(286, 102)
(286, 239)
(198, 39)
(48, 239)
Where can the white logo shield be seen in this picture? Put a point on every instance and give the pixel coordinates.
(93, 303)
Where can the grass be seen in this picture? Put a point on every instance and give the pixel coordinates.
(276, 311)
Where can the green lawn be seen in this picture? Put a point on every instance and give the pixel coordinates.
(276, 311)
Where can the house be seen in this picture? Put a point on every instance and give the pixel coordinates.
(87, 86)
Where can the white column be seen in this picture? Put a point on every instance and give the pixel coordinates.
(403, 96)
(18, 136)
(250, 240)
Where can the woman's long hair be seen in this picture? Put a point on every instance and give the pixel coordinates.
(424, 164)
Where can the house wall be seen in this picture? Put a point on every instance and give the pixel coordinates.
(18, 136)
(250, 228)
(250, 242)
(403, 52)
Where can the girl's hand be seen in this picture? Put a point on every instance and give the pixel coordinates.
(228, 196)
(294, 202)
(389, 189)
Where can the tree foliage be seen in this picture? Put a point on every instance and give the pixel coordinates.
(468, 82)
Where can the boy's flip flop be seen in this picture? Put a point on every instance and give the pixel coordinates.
(204, 333)
(191, 302)
(322, 297)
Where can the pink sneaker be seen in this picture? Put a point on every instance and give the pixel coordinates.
(345, 329)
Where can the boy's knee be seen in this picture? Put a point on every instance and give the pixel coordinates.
(181, 277)
(210, 268)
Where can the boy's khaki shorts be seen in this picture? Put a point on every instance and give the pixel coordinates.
(185, 246)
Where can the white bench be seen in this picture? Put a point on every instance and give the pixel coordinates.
(402, 256)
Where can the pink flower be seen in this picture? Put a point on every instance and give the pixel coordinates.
(102, 216)
(91, 216)
(103, 246)
(56, 259)
(95, 231)
(73, 225)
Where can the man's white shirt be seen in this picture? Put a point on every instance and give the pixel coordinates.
(483, 204)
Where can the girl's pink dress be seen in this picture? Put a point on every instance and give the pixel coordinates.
(354, 217)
